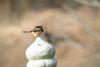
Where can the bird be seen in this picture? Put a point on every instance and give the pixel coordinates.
(48, 36)
(37, 31)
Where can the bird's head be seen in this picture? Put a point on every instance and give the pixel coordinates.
(37, 31)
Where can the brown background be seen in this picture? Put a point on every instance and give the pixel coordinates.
(73, 28)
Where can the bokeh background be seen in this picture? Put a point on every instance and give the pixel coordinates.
(72, 26)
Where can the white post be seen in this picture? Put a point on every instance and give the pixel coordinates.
(41, 54)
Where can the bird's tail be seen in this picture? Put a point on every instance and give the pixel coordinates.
(26, 31)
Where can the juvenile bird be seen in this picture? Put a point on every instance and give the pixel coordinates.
(37, 31)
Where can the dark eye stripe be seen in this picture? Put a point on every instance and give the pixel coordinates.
(38, 31)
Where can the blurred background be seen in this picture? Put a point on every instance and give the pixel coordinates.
(73, 27)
